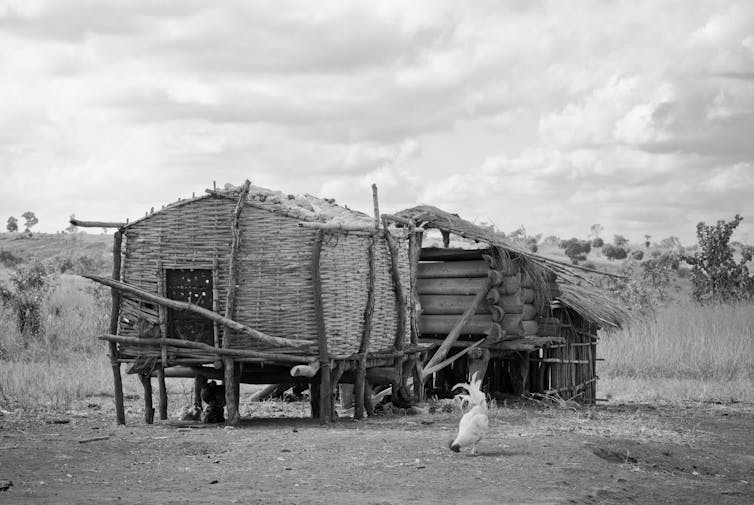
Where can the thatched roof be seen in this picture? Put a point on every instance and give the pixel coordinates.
(304, 207)
(578, 292)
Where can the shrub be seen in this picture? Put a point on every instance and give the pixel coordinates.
(620, 241)
(658, 272)
(575, 249)
(715, 275)
(30, 287)
(9, 259)
(598, 242)
(637, 255)
(613, 252)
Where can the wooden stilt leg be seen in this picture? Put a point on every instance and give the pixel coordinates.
(239, 371)
(163, 394)
(314, 398)
(199, 382)
(146, 382)
(229, 380)
(120, 411)
(325, 396)
(359, 392)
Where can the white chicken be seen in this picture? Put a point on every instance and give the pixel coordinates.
(474, 423)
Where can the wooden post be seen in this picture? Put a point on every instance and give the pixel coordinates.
(325, 415)
(120, 412)
(146, 381)
(199, 382)
(400, 305)
(216, 299)
(230, 380)
(359, 389)
(163, 320)
(400, 297)
(414, 253)
(314, 398)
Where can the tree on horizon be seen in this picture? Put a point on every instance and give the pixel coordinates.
(31, 219)
(12, 225)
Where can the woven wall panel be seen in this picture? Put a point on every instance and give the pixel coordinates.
(275, 292)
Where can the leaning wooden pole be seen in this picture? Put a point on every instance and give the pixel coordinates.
(120, 412)
(178, 305)
(229, 364)
(414, 252)
(210, 350)
(359, 383)
(405, 362)
(325, 415)
(455, 332)
(163, 318)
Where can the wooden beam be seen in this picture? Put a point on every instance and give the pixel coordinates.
(96, 224)
(448, 286)
(212, 316)
(451, 254)
(186, 344)
(453, 269)
(450, 304)
(315, 225)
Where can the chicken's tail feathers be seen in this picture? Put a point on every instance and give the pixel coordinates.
(475, 394)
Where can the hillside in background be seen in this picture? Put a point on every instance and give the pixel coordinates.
(68, 253)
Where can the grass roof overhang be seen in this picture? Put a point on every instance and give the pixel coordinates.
(578, 291)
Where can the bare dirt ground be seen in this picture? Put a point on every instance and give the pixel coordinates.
(653, 454)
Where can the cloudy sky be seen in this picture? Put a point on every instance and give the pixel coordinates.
(637, 115)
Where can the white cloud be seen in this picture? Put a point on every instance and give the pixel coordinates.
(636, 114)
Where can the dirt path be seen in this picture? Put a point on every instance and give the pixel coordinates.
(622, 454)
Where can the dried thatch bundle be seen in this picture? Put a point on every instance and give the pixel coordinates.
(577, 291)
(595, 305)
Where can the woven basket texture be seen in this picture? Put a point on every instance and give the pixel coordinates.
(275, 293)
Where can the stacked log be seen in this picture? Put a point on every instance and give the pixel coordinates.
(446, 289)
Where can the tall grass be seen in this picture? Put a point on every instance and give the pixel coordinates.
(65, 362)
(696, 352)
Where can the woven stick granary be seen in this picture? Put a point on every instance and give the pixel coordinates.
(305, 272)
